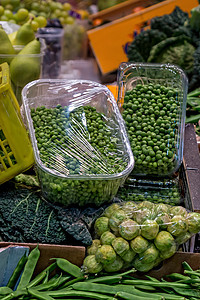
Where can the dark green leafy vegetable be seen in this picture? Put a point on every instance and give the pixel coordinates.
(175, 50)
(170, 22)
(139, 49)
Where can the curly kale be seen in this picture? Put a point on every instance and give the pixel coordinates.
(139, 49)
(170, 22)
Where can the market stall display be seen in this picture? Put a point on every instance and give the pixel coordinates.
(59, 277)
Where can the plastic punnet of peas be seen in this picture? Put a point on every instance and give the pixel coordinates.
(151, 114)
(77, 142)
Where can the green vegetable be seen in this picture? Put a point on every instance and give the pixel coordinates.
(175, 50)
(91, 265)
(195, 18)
(105, 254)
(101, 225)
(78, 142)
(150, 112)
(17, 271)
(29, 268)
(68, 267)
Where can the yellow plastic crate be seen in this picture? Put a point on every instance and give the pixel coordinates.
(16, 154)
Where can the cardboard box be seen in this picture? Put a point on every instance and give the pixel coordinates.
(76, 255)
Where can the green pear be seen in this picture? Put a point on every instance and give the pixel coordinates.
(24, 35)
(6, 47)
(25, 67)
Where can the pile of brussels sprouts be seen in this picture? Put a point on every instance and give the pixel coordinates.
(141, 235)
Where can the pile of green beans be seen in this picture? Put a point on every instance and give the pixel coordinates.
(64, 280)
(151, 113)
(78, 142)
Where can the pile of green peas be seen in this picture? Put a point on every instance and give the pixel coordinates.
(170, 195)
(151, 114)
(77, 142)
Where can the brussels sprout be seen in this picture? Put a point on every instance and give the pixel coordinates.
(193, 220)
(141, 266)
(162, 208)
(178, 225)
(111, 209)
(117, 218)
(164, 241)
(91, 250)
(101, 225)
(105, 254)
(147, 204)
(90, 265)
(149, 229)
(107, 237)
(128, 256)
(139, 244)
(142, 214)
(129, 229)
(120, 245)
(167, 254)
(178, 211)
(150, 255)
(115, 266)
(183, 237)
(129, 208)
(163, 220)
(158, 261)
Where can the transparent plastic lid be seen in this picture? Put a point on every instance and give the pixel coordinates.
(76, 129)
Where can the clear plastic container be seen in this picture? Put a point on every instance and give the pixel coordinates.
(79, 185)
(54, 50)
(38, 58)
(152, 100)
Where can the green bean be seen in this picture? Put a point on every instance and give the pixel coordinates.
(155, 284)
(15, 294)
(108, 289)
(170, 297)
(73, 293)
(5, 290)
(128, 296)
(68, 267)
(115, 278)
(17, 271)
(187, 292)
(39, 295)
(29, 268)
(177, 276)
(73, 281)
(42, 275)
(197, 274)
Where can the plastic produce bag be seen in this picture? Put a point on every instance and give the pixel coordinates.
(80, 144)
(141, 235)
